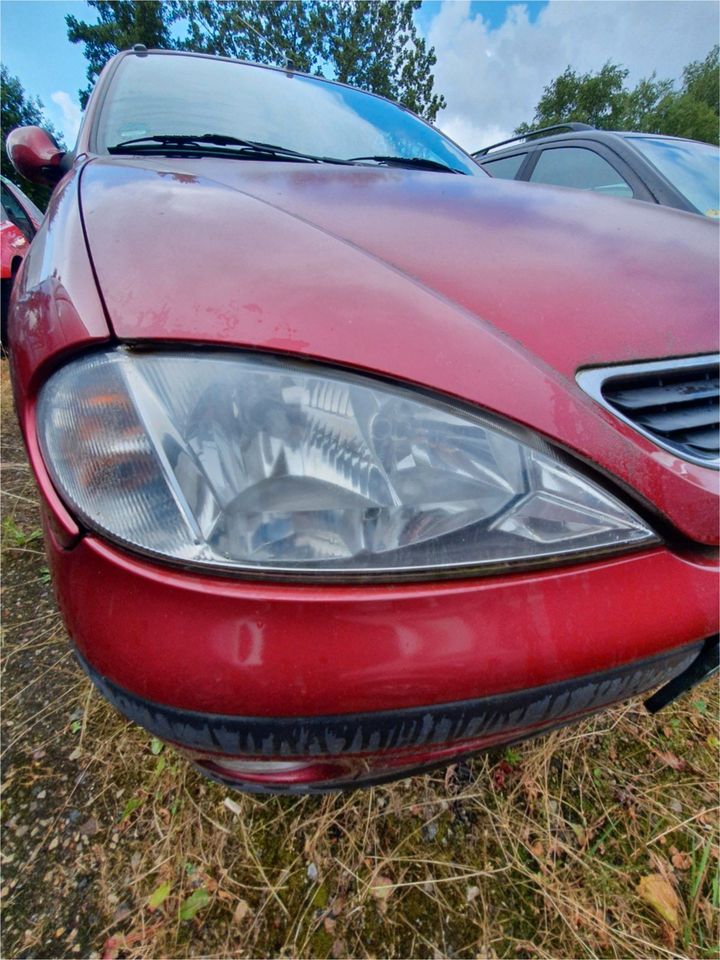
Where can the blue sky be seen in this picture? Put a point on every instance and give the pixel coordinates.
(494, 58)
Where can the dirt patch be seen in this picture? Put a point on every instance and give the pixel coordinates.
(113, 846)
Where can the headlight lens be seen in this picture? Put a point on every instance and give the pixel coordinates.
(250, 463)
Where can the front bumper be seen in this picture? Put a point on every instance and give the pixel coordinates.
(241, 648)
(360, 749)
(366, 683)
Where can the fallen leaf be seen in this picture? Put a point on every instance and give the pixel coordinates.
(668, 935)
(501, 773)
(681, 861)
(338, 949)
(113, 945)
(671, 760)
(381, 890)
(111, 948)
(156, 746)
(659, 893)
(197, 900)
(159, 895)
(449, 775)
(241, 911)
(232, 806)
(472, 893)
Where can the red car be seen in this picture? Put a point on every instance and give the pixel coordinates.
(19, 221)
(354, 460)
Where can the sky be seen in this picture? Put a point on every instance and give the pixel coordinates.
(493, 57)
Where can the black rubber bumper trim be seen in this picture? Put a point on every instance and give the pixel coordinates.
(369, 733)
(705, 664)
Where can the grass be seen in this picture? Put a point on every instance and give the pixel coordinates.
(113, 846)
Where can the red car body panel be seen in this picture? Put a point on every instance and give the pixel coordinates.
(225, 647)
(513, 346)
(480, 289)
(13, 243)
(13, 247)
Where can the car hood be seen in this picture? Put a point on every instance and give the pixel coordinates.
(493, 291)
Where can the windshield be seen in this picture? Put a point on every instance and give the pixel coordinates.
(161, 94)
(693, 168)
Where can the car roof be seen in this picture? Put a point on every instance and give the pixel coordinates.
(578, 132)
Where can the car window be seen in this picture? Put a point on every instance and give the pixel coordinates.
(505, 167)
(15, 213)
(162, 94)
(692, 168)
(581, 168)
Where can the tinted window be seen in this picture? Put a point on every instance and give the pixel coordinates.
(580, 168)
(692, 168)
(505, 167)
(15, 213)
(165, 94)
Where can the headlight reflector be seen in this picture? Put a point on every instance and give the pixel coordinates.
(251, 463)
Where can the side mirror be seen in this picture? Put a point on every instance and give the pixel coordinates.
(35, 155)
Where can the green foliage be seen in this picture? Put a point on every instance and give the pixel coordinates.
(372, 45)
(376, 46)
(253, 30)
(597, 99)
(16, 536)
(701, 80)
(21, 110)
(694, 111)
(653, 106)
(197, 900)
(122, 24)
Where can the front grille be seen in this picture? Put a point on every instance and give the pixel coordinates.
(676, 403)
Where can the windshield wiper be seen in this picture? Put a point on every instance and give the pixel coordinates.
(420, 162)
(197, 144)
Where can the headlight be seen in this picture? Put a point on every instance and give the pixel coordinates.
(249, 463)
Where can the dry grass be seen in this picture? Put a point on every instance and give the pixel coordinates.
(536, 851)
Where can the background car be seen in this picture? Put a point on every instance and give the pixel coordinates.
(667, 170)
(19, 220)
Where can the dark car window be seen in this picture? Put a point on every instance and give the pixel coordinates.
(581, 168)
(15, 213)
(186, 95)
(692, 168)
(505, 167)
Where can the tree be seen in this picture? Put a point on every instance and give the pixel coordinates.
(694, 111)
(20, 110)
(599, 99)
(701, 80)
(253, 30)
(376, 46)
(122, 24)
(373, 45)
(653, 106)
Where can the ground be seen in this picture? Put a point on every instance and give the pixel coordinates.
(600, 840)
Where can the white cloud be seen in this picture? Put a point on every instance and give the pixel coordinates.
(71, 115)
(493, 79)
